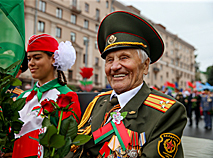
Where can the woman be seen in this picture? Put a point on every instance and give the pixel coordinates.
(45, 56)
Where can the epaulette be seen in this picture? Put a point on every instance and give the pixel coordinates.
(158, 102)
(17, 91)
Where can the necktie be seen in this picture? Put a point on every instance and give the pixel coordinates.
(113, 105)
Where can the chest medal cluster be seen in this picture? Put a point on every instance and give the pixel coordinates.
(124, 142)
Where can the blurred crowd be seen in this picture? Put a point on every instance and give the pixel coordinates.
(197, 103)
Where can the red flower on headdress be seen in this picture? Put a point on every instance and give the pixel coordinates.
(86, 72)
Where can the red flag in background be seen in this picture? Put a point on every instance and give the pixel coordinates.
(190, 85)
(169, 85)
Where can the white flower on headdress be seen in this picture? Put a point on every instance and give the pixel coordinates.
(65, 56)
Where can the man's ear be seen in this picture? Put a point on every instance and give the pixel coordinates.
(146, 66)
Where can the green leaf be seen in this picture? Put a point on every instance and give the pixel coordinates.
(57, 141)
(15, 82)
(65, 149)
(2, 70)
(56, 156)
(3, 140)
(15, 116)
(2, 135)
(16, 125)
(111, 114)
(51, 130)
(81, 139)
(124, 114)
(12, 66)
(69, 127)
(18, 104)
(46, 122)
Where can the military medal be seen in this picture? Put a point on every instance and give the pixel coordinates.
(120, 153)
(133, 153)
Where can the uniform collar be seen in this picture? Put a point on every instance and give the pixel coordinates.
(124, 98)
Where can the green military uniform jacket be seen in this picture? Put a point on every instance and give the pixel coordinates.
(160, 128)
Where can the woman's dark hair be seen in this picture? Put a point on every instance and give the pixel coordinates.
(59, 72)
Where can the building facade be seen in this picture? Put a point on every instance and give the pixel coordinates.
(78, 21)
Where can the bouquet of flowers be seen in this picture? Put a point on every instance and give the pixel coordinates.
(61, 127)
(9, 116)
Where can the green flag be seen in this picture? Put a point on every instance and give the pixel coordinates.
(12, 33)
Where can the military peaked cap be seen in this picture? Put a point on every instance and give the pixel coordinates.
(122, 29)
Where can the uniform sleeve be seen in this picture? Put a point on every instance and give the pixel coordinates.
(165, 138)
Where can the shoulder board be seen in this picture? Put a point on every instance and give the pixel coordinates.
(17, 91)
(158, 102)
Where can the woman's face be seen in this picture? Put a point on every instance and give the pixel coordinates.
(40, 65)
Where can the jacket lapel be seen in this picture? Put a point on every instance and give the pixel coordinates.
(99, 113)
(134, 104)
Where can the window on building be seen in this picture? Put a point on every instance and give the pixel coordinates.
(112, 9)
(97, 15)
(41, 25)
(86, 24)
(98, 0)
(86, 7)
(161, 78)
(96, 78)
(96, 61)
(167, 74)
(42, 6)
(96, 28)
(172, 61)
(73, 18)
(70, 75)
(96, 45)
(84, 58)
(74, 3)
(172, 71)
(155, 76)
(171, 52)
(59, 13)
(72, 36)
(86, 40)
(58, 32)
(107, 4)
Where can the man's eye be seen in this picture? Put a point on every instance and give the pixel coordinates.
(109, 60)
(124, 57)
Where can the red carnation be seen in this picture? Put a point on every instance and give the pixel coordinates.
(47, 106)
(86, 72)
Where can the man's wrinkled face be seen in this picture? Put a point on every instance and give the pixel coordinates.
(125, 70)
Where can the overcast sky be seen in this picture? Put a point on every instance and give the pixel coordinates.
(191, 20)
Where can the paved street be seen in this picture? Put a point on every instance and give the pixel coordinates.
(197, 142)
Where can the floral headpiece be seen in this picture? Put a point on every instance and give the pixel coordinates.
(65, 56)
(64, 53)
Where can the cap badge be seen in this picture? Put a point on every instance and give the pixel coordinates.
(112, 39)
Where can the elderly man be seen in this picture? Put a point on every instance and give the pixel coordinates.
(144, 122)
